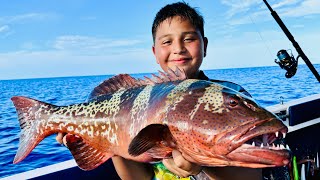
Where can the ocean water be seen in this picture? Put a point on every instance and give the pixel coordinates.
(265, 84)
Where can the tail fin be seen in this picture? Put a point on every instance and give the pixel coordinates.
(29, 111)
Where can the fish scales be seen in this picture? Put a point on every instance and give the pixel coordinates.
(144, 120)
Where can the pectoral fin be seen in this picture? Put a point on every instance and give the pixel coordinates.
(153, 136)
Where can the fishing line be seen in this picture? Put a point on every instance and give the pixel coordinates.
(258, 31)
(263, 40)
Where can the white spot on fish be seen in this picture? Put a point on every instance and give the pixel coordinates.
(138, 110)
(177, 93)
(212, 100)
(114, 138)
(77, 131)
(70, 128)
(204, 122)
(182, 126)
(97, 133)
(83, 131)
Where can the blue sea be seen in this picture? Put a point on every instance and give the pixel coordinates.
(265, 84)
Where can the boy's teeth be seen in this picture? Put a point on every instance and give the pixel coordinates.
(277, 134)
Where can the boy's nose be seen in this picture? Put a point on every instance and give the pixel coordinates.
(178, 48)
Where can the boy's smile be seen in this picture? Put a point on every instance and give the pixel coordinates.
(179, 44)
(180, 60)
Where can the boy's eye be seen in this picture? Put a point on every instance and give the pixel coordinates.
(166, 42)
(189, 39)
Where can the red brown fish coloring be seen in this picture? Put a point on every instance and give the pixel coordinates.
(144, 120)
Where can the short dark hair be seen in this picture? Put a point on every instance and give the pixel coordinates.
(181, 9)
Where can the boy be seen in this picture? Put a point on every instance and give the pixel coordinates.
(179, 41)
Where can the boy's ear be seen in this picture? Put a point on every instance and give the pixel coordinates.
(205, 45)
(154, 53)
(153, 50)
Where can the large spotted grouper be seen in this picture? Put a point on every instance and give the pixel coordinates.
(144, 120)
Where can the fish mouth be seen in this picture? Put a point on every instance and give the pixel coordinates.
(269, 140)
(263, 145)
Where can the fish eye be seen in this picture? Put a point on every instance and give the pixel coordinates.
(233, 102)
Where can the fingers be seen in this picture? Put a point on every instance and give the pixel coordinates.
(180, 161)
(65, 140)
(59, 137)
(180, 166)
(171, 166)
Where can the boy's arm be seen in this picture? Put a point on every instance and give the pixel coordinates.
(184, 168)
(131, 170)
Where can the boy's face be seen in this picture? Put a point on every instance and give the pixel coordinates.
(179, 44)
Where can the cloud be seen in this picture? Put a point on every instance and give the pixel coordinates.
(306, 7)
(23, 18)
(55, 63)
(242, 51)
(248, 50)
(236, 6)
(259, 16)
(298, 26)
(241, 13)
(4, 29)
(94, 45)
(285, 3)
(28, 46)
(76, 55)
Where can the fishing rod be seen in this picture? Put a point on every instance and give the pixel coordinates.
(286, 62)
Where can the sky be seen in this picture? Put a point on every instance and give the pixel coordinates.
(41, 38)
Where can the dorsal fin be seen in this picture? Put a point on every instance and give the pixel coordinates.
(126, 81)
(113, 84)
(177, 75)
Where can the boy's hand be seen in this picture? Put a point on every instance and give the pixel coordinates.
(61, 138)
(180, 166)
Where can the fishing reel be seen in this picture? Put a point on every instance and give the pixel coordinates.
(287, 62)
